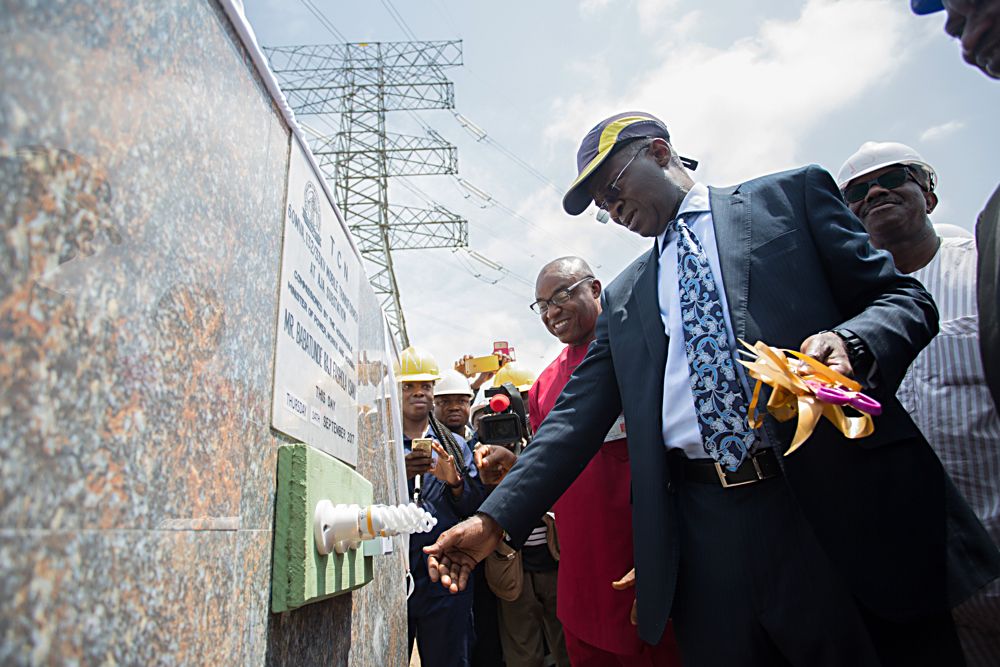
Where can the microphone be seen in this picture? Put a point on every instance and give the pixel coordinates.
(602, 216)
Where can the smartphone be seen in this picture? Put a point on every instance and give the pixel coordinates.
(486, 364)
(503, 347)
(421, 444)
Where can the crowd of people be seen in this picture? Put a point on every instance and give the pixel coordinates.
(643, 516)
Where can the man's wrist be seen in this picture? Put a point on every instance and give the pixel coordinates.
(492, 526)
(857, 352)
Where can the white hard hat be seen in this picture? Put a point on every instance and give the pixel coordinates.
(874, 155)
(476, 409)
(452, 382)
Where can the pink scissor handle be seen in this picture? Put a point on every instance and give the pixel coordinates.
(867, 404)
(838, 396)
(831, 395)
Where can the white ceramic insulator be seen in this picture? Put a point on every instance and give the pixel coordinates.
(400, 519)
(342, 527)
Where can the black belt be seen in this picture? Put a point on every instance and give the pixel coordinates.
(756, 467)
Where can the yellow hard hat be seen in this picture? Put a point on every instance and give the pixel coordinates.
(416, 365)
(521, 378)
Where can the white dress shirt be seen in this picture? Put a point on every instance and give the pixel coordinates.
(945, 393)
(680, 422)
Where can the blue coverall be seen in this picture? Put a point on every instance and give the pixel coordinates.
(441, 622)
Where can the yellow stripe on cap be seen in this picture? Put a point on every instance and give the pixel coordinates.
(609, 137)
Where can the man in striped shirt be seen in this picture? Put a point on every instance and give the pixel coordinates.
(890, 188)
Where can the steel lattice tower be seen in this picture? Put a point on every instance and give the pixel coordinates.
(361, 82)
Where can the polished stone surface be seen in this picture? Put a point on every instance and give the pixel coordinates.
(142, 177)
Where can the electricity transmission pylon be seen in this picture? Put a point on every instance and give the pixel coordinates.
(361, 82)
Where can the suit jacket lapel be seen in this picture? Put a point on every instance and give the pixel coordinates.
(731, 217)
(648, 305)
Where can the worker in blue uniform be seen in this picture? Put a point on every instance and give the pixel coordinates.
(443, 480)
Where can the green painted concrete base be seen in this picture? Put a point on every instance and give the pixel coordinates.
(299, 574)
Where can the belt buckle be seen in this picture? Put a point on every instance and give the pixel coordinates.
(726, 484)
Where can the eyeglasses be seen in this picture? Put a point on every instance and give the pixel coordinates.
(560, 297)
(613, 192)
(889, 180)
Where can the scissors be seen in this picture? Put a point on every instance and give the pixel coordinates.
(838, 396)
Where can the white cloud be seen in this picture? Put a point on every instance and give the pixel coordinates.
(938, 132)
(653, 13)
(591, 7)
(744, 109)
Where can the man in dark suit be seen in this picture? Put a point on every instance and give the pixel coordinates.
(974, 23)
(845, 553)
(988, 292)
(977, 26)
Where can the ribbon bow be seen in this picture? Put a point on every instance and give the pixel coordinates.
(811, 391)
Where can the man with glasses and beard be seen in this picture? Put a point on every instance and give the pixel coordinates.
(890, 187)
(844, 553)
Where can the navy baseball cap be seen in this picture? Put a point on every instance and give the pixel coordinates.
(926, 6)
(600, 143)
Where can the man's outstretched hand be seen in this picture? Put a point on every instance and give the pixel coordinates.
(452, 558)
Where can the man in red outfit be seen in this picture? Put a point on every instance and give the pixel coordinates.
(593, 517)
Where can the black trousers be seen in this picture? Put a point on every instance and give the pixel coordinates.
(755, 588)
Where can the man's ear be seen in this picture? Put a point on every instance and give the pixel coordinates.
(661, 151)
(931, 200)
(595, 288)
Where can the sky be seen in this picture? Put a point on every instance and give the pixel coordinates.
(745, 88)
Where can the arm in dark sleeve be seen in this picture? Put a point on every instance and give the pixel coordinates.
(891, 312)
(473, 494)
(567, 439)
(473, 491)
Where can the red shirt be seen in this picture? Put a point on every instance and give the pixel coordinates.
(594, 523)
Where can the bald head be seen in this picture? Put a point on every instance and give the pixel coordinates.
(570, 294)
(567, 267)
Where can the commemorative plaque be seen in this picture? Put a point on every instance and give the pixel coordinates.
(315, 374)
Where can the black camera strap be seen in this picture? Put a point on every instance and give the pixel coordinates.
(447, 440)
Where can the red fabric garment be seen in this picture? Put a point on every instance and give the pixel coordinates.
(593, 520)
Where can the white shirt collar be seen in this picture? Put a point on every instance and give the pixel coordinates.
(695, 201)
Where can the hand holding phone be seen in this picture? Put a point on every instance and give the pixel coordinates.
(420, 458)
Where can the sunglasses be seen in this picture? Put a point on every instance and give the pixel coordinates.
(613, 192)
(890, 180)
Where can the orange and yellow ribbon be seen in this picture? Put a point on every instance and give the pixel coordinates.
(791, 395)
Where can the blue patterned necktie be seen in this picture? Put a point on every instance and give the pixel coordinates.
(718, 396)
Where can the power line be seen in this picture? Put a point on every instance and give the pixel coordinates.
(482, 135)
(324, 21)
(447, 18)
(361, 82)
(478, 275)
(400, 21)
(496, 266)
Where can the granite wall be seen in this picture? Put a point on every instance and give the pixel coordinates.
(142, 186)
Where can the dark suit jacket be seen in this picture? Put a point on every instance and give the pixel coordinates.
(794, 261)
(988, 291)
